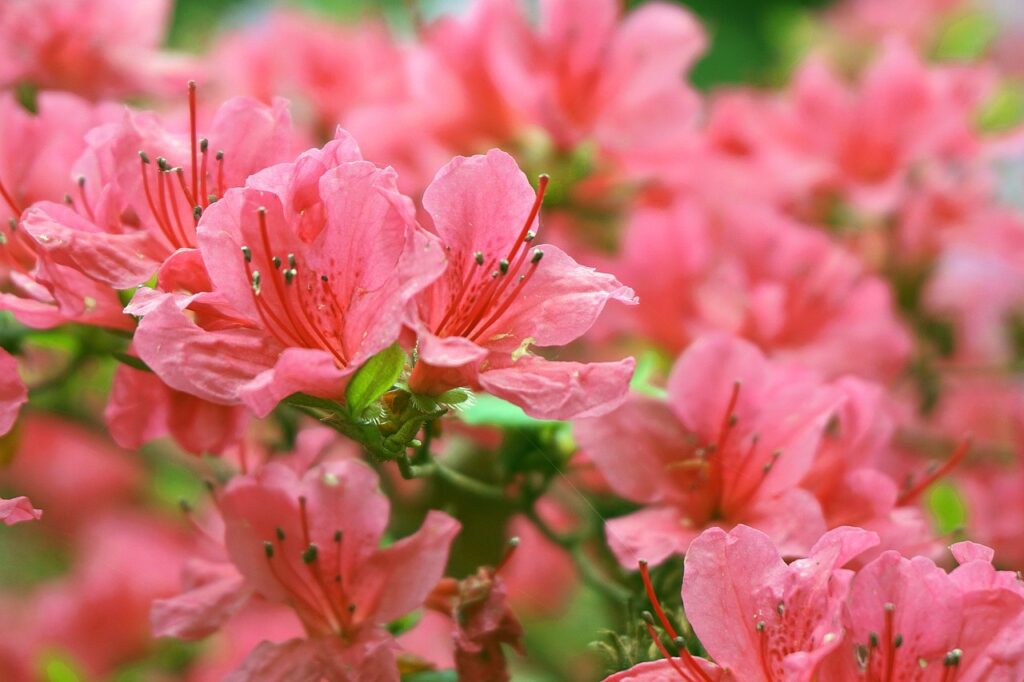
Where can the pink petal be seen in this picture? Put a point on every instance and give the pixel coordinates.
(561, 390)
(18, 509)
(398, 579)
(632, 446)
(213, 593)
(652, 534)
(13, 393)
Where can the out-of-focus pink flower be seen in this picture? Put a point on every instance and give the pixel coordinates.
(144, 186)
(312, 542)
(753, 272)
(580, 73)
(978, 283)
(893, 162)
(37, 154)
(141, 408)
(730, 445)
(873, 20)
(760, 618)
(311, 263)
(18, 509)
(540, 576)
(73, 473)
(499, 295)
(849, 476)
(97, 48)
(98, 614)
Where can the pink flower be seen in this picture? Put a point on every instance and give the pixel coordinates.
(909, 619)
(70, 471)
(753, 272)
(13, 393)
(141, 408)
(759, 618)
(499, 295)
(143, 187)
(730, 445)
(312, 542)
(97, 48)
(580, 73)
(311, 266)
(18, 509)
(37, 154)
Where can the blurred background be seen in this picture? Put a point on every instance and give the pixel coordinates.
(754, 41)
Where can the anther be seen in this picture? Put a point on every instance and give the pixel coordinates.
(204, 144)
(898, 641)
(781, 608)
(197, 212)
(479, 257)
(279, 532)
(291, 261)
(144, 156)
(337, 536)
(276, 260)
(80, 180)
(310, 554)
(247, 254)
(220, 155)
(268, 549)
(503, 266)
(256, 281)
(162, 164)
(530, 236)
(289, 275)
(952, 658)
(873, 639)
(323, 278)
(537, 255)
(759, 626)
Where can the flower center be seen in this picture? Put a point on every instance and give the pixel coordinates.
(488, 286)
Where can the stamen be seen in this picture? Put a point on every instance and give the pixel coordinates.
(958, 456)
(9, 199)
(645, 575)
(204, 144)
(192, 134)
(85, 201)
(890, 641)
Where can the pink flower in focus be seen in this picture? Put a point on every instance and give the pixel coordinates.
(311, 265)
(909, 619)
(143, 187)
(37, 154)
(759, 618)
(312, 542)
(730, 445)
(499, 295)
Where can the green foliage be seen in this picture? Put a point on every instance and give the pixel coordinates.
(374, 379)
(487, 410)
(965, 37)
(947, 508)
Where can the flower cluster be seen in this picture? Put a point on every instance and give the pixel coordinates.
(439, 345)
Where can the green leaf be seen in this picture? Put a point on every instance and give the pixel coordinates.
(965, 37)
(374, 378)
(1004, 110)
(432, 676)
(487, 410)
(131, 361)
(947, 508)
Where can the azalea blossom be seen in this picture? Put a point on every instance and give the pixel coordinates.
(729, 445)
(501, 293)
(759, 618)
(311, 540)
(310, 267)
(142, 188)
